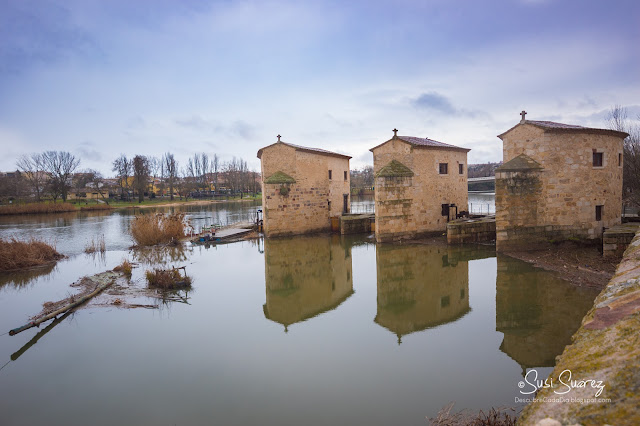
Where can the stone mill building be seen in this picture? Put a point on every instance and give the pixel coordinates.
(420, 184)
(558, 181)
(302, 188)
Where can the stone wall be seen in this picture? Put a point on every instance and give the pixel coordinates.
(409, 206)
(463, 231)
(605, 348)
(305, 205)
(559, 201)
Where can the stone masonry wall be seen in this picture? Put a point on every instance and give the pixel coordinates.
(570, 186)
(305, 207)
(409, 207)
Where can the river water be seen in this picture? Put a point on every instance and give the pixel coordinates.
(306, 330)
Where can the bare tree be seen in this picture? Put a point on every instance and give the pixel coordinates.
(32, 168)
(140, 175)
(60, 165)
(215, 168)
(170, 171)
(617, 120)
(122, 167)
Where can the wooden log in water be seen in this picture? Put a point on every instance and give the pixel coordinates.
(62, 310)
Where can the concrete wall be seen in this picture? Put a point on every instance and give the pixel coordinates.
(410, 206)
(311, 200)
(559, 201)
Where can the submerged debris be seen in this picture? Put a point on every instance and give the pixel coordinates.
(168, 279)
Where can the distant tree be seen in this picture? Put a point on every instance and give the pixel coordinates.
(154, 169)
(170, 171)
(123, 168)
(32, 168)
(95, 180)
(141, 174)
(617, 119)
(60, 165)
(215, 168)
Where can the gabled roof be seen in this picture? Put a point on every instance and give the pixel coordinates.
(520, 163)
(394, 169)
(305, 149)
(551, 126)
(424, 143)
(279, 177)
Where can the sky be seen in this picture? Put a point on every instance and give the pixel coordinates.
(111, 77)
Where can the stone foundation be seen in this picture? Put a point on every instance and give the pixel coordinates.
(462, 231)
(616, 240)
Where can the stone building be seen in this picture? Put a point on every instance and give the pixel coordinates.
(305, 277)
(302, 188)
(420, 184)
(558, 181)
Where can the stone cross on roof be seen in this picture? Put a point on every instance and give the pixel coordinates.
(279, 138)
(523, 113)
(395, 133)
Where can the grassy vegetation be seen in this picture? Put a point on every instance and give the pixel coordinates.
(169, 279)
(16, 254)
(148, 230)
(97, 245)
(37, 208)
(125, 267)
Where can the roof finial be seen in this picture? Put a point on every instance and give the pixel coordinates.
(279, 138)
(395, 133)
(523, 113)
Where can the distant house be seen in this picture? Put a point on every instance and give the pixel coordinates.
(420, 184)
(302, 188)
(558, 181)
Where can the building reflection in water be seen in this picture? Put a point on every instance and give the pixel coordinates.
(421, 286)
(305, 276)
(537, 312)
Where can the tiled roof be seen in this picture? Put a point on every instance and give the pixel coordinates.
(425, 142)
(561, 127)
(306, 149)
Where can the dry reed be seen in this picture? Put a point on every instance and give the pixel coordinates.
(495, 417)
(15, 254)
(148, 230)
(167, 279)
(96, 207)
(37, 208)
(96, 245)
(125, 267)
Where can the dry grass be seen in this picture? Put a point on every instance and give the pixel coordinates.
(96, 245)
(167, 279)
(148, 230)
(96, 207)
(37, 208)
(125, 267)
(495, 417)
(16, 254)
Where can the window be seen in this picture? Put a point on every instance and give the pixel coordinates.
(461, 169)
(444, 168)
(445, 301)
(329, 174)
(597, 159)
(619, 160)
(345, 175)
(599, 213)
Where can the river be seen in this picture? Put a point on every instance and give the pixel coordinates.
(305, 330)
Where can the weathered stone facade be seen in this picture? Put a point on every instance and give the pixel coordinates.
(414, 178)
(557, 182)
(302, 188)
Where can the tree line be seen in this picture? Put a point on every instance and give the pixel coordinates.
(56, 174)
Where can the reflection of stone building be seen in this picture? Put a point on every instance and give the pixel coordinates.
(420, 287)
(418, 182)
(537, 312)
(558, 181)
(302, 188)
(305, 277)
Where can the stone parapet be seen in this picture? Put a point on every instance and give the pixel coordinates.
(462, 231)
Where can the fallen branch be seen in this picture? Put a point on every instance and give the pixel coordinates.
(64, 309)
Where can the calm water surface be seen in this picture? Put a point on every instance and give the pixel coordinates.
(305, 330)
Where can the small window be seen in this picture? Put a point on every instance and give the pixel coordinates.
(619, 160)
(461, 169)
(599, 213)
(461, 293)
(597, 159)
(445, 301)
(444, 168)
(329, 205)
(345, 175)
(329, 174)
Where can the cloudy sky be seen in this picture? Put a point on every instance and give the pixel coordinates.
(101, 78)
